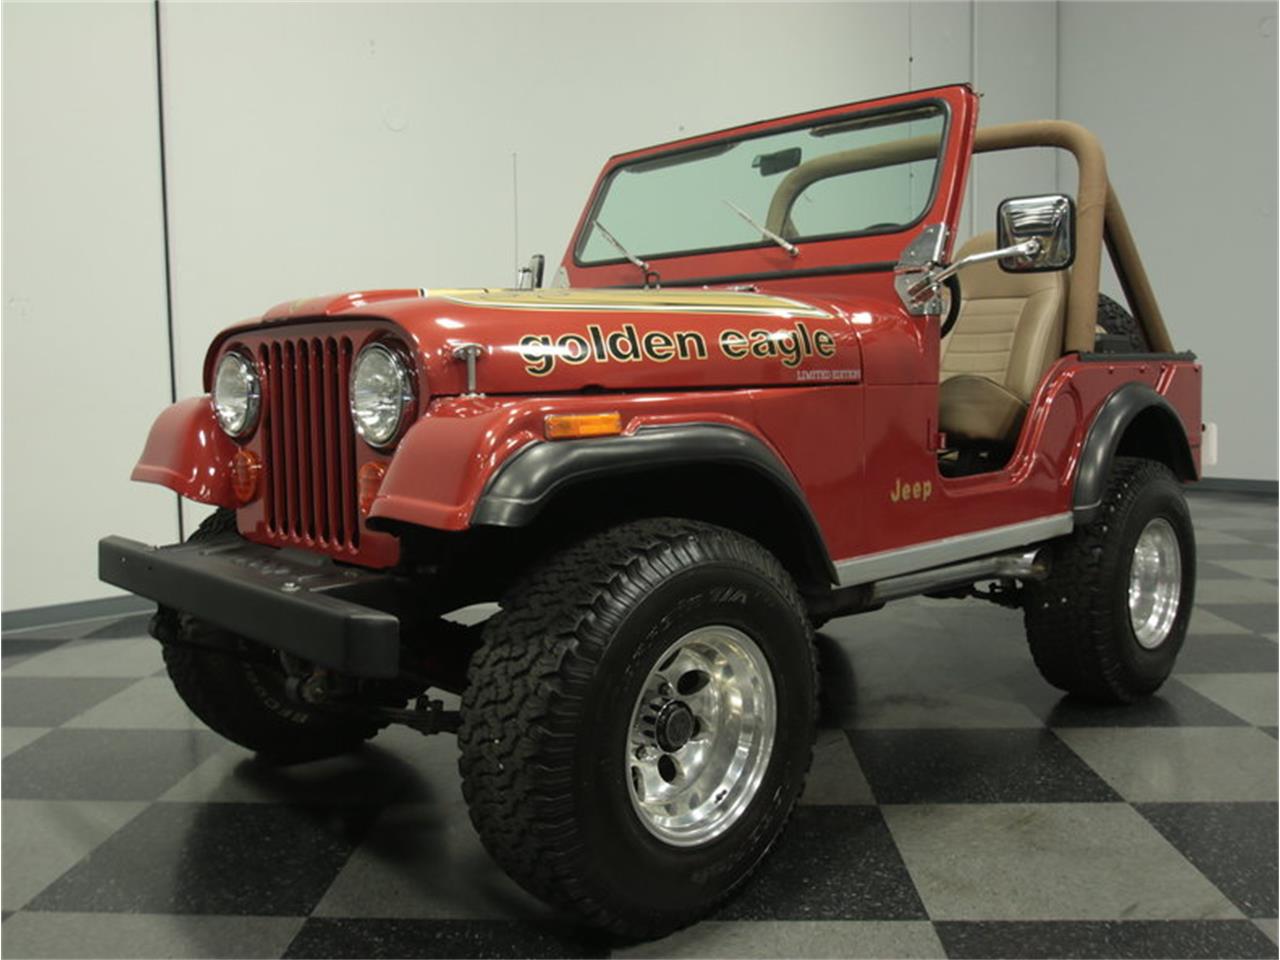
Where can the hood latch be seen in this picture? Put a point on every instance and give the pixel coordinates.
(470, 352)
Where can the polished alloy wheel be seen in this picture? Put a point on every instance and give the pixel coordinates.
(701, 734)
(1155, 583)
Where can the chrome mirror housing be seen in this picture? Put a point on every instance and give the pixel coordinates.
(1050, 220)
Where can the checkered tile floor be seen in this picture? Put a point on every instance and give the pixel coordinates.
(957, 807)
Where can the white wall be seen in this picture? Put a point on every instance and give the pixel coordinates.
(1183, 96)
(322, 147)
(86, 363)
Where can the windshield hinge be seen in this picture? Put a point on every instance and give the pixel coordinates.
(920, 256)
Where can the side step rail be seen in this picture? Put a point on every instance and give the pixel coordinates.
(1027, 565)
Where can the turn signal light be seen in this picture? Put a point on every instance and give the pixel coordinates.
(368, 481)
(246, 471)
(570, 426)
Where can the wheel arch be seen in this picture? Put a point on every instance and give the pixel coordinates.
(711, 472)
(1134, 421)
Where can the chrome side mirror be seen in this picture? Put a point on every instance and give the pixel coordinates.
(1050, 220)
(530, 277)
(926, 287)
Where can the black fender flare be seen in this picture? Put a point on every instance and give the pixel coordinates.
(1102, 441)
(524, 484)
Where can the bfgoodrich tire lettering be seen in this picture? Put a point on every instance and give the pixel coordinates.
(1078, 621)
(548, 709)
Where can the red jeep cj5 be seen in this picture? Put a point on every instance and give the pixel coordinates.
(765, 390)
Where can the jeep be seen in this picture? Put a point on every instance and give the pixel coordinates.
(766, 387)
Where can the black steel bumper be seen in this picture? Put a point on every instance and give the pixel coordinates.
(287, 599)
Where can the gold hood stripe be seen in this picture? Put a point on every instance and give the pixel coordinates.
(653, 301)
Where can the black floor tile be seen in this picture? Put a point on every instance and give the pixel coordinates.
(52, 701)
(1256, 617)
(1238, 653)
(974, 766)
(899, 654)
(340, 937)
(1120, 939)
(68, 764)
(254, 859)
(833, 863)
(16, 649)
(133, 625)
(367, 776)
(1174, 705)
(1233, 844)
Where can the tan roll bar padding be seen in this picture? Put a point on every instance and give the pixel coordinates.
(845, 161)
(1133, 276)
(1099, 217)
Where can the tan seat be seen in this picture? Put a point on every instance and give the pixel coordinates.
(1008, 334)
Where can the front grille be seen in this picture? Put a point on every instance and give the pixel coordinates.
(309, 443)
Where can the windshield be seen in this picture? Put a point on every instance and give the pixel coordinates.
(834, 179)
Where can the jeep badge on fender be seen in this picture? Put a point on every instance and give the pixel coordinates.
(772, 385)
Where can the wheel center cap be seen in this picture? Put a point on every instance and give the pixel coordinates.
(674, 726)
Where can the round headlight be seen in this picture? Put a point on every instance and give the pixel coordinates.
(381, 394)
(237, 395)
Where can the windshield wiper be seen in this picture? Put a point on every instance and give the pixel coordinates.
(644, 267)
(785, 244)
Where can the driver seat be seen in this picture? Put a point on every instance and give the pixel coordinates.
(1007, 334)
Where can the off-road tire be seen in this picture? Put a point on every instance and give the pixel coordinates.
(548, 704)
(236, 686)
(1117, 321)
(1077, 621)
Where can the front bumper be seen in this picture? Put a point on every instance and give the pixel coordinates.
(287, 599)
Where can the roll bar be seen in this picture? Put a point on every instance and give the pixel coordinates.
(1099, 217)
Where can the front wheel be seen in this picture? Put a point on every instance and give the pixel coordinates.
(638, 723)
(1110, 620)
(237, 687)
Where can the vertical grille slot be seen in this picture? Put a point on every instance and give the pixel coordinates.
(350, 505)
(308, 443)
(318, 455)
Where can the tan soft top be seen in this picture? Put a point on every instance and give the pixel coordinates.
(1099, 218)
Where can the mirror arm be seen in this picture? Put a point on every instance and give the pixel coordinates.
(934, 279)
(529, 277)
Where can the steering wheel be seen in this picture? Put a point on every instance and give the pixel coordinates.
(952, 283)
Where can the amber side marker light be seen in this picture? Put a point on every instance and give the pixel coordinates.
(569, 426)
(246, 470)
(368, 480)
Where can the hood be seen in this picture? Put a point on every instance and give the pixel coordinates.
(569, 340)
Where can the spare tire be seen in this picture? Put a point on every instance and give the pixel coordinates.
(1117, 322)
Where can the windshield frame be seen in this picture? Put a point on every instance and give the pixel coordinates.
(734, 136)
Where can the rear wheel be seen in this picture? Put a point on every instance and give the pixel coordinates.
(237, 687)
(638, 722)
(1109, 621)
